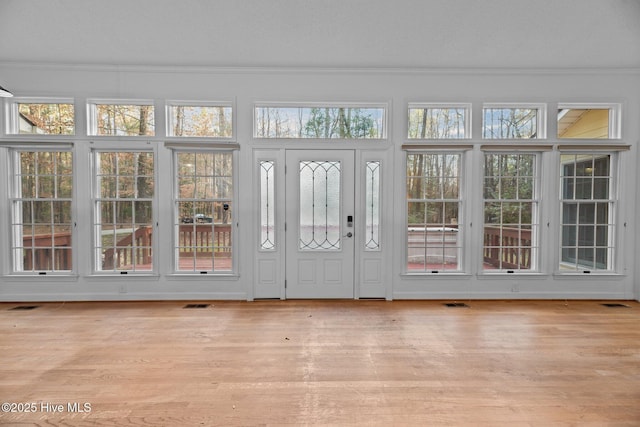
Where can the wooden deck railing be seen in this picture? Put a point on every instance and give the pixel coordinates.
(509, 250)
(201, 238)
(43, 257)
(196, 236)
(126, 252)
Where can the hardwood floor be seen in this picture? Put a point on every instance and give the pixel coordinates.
(495, 363)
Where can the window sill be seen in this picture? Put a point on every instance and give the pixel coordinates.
(427, 274)
(49, 277)
(138, 276)
(198, 276)
(515, 273)
(598, 274)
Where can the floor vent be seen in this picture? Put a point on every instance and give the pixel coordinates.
(196, 306)
(455, 304)
(614, 305)
(25, 307)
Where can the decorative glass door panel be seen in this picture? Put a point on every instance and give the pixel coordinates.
(319, 222)
(320, 233)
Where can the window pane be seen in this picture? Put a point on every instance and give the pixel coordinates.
(510, 123)
(509, 211)
(203, 211)
(200, 121)
(42, 224)
(46, 119)
(372, 206)
(124, 120)
(586, 123)
(123, 211)
(585, 222)
(437, 123)
(267, 205)
(320, 122)
(433, 212)
(319, 227)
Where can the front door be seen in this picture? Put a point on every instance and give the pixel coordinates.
(319, 224)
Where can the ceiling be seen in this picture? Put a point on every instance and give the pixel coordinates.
(324, 33)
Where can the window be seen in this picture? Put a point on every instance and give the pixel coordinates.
(439, 122)
(211, 121)
(319, 209)
(110, 119)
(587, 212)
(41, 207)
(372, 206)
(578, 121)
(322, 122)
(123, 211)
(204, 211)
(519, 122)
(267, 205)
(434, 242)
(510, 212)
(41, 117)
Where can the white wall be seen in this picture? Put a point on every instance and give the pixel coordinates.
(323, 33)
(397, 87)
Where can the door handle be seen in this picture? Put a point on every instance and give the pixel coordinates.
(349, 234)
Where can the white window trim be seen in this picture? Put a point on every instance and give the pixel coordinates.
(12, 272)
(92, 116)
(169, 104)
(131, 146)
(467, 106)
(12, 117)
(463, 250)
(612, 259)
(536, 238)
(266, 104)
(233, 273)
(541, 107)
(615, 118)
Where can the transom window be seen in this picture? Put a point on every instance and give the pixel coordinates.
(439, 122)
(510, 212)
(123, 211)
(204, 211)
(41, 117)
(200, 120)
(321, 122)
(41, 211)
(115, 119)
(513, 122)
(587, 212)
(588, 121)
(434, 229)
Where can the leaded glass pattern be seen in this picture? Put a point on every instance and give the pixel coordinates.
(267, 205)
(372, 202)
(319, 224)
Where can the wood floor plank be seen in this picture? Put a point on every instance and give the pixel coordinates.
(494, 363)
